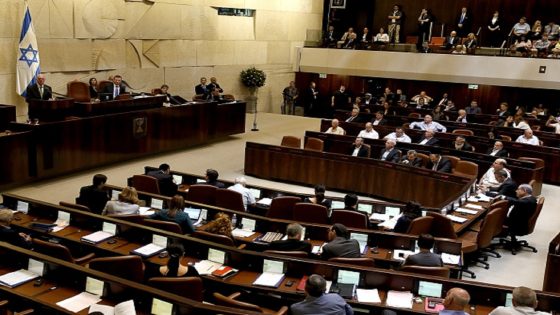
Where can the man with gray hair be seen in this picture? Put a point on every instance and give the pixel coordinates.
(390, 154)
(240, 183)
(524, 302)
(524, 206)
(489, 178)
(455, 302)
(319, 302)
(10, 236)
(294, 242)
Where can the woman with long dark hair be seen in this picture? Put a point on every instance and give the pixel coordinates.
(174, 268)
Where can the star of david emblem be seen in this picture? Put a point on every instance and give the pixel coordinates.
(29, 55)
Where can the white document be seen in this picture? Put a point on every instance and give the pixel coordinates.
(450, 259)
(36, 266)
(206, 267)
(472, 199)
(79, 302)
(160, 307)
(110, 228)
(124, 308)
(149, 250)
(146, 211)
(269, 279)
(390, 224)
(159, 240)
(16, 278)
(368, 296)
(97, 237)
(328, 286)
(22, 207)
(467, 211)
(178, 179)
(401, 254)
(476, 207)
(157, 203)
(402, 299)
(483, 198)
(115, 194)
(248, 224)
(457, 219)
(379, 217)
(265, 201)
(241, 233)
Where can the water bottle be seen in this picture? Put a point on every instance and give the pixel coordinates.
(234, 221)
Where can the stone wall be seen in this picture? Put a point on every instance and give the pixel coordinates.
(152, 42)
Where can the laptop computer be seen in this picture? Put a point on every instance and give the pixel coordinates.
(193, 213)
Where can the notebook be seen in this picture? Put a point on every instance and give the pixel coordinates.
(96, 237)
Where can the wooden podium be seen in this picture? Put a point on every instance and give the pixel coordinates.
(51, 110)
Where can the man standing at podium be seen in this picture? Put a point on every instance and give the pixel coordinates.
(117, 88)
(39, 90)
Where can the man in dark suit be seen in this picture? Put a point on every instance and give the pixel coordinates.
(428, 138)
(294, 242)
(340, 244)
(524, 206)
(439, 163)
(10, 236)
(115, 89)
(212, 178)
(390, 154)
(202, 88)
(95, 196)
(39, 90)
(425, 257)
(452, 40)
(354, 115)
(214, 85)
(379, 120)
(498, 150)
(165, 180)
(507, 186)
(329, 40)
(319, 302)
(411, 159)
(358, 149)
(464, 22)
(311, 96)
(461, 144)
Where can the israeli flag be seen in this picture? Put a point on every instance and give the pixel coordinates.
(27, 65)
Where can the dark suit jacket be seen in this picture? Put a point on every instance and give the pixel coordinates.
(466, 147)
(93, 198)
(32, 93)
(199, 89)
(109, 88)
(443, 166)
(507, 188)
(216, 184)
(211, 86)
(518, 218)
(166, 185)
(502, 153)
(355, 119)
(363, 152)
(341, 247)
(291, 245)
(462, 32)
(93, 93)
(393, 155)
(416, 163)
(12, 237)
(382, 122)
(432, 141)
(424, 259)
(451, 42)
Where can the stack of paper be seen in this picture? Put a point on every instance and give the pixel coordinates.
(96, 237)
(390, 224)
(148, 250)
(269, 279)
(401, 254)
(146, 211)
(265, 201)
(206, 267)
(241, 233)
(472, 199)
(456, 218)
(450, 259)
(467, 211)
(483, 198)
(13, 279)
(379, 216)
(402, 299)
(368, 296)
(476, 207)
(79, 302)
(124, 308)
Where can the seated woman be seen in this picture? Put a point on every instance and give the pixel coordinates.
(470, 43)
(412, 210)
(220, 225)
(175, 214)
(520, 123)
(128, 203)
(93, 93)
(174, 268)
(507, 123)
(319, 198)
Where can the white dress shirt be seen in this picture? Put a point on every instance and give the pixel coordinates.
(248, 198)
(337, 131)
(393, 136)
(433, 125)
(489, 178)
(533, 140)
(368, 134)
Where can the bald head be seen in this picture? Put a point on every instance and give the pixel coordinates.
(456, 299)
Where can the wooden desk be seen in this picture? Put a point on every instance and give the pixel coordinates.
(15, 158)
(552, 272)
(7, 115)
(359, 175)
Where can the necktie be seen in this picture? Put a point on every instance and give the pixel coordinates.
(116, 91)
(462, 18)
(41, 89)
(435, 166)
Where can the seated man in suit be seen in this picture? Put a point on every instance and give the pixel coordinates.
(202, 88)
(10, 236)
(461, 144)
(379, 120)
(390, 153)
(215, 95)
(439, 163)
(461, 116)
(214, 85)
(340, 244)
(498, 150)
(212, 178)
(358, 149)
(294, 232)
(350, 202)
(524, 206)
(319, 302)
(489, 178)
(425, 257)
(115, 89)
(507, 186)
(524, 301)
(354, 115)
(428, 138)
(428, 123)
(165, 180)
(39, 90)
(95, 196)
(452, 40)
(411, 159)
